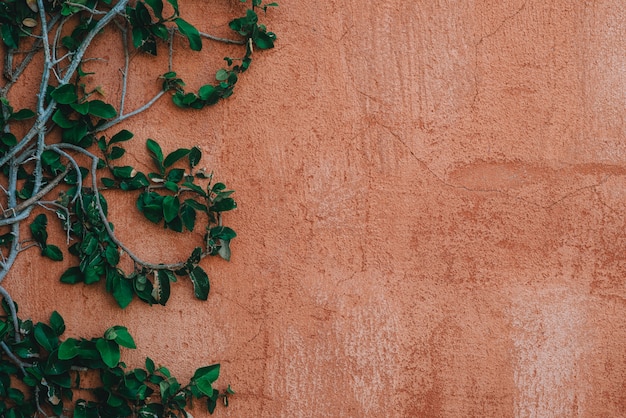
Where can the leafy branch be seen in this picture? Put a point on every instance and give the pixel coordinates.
(42, 172)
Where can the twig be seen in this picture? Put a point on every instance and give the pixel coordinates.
(34, 198)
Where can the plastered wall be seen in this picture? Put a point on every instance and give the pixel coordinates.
(432, 201)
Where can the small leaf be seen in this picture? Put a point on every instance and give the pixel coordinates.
(161, 291)
(62, 120)
(122, 290)
(46, 337)
(175, 156)
(64, 94)
(157, 153)
(52, 252)
(82, 108)
(175, 175)
(224, 250)
(171, 186)
(38, 229)
(264, 40)
(149, 365)
(222, 232)
(68, 349)
(109, 352)
(157, 7)
(122, 336)
(125, 172)
(194, 258)
(29, 22)
(174, 4)
(194, 156)
(101, 109)
(116, 152)
(112, 255)
(201, 284)
(9, 139)
(121, 136)
(57, 323)
(22, 114)
(192, 34)
(188, 216)
(72, 275)
(221, 75)
(171, 204)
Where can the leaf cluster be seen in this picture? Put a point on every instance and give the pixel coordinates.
(71, 155)
(52, 368)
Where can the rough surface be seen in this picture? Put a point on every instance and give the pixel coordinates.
(431, 216)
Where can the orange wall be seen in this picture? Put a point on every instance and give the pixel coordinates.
(431, 216)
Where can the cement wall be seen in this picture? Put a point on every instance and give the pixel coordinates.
(431, 216)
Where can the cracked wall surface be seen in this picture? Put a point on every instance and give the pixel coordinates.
(432, 201)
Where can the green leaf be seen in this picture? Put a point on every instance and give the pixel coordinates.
(221, 75)
(194, 258)
(149, 365)
(263, 40)
(171, 204)
(52, 252)
(62, 120)
(102, 110)
(109, 352)
(121, 136)
(194, 155)
(64, 94)
(175, 175)
(125, 172)
(171, 186)
(200, 283)
(122, 290)
(72, 275)
(157, 153)
(68, 349)
(57, 323)
(120, 335)
(192, 34)
(6, 239)
(10, 40)
(224, 250)
(199, 191)
(175, 156)
(38, 229)
(9, 139)
(22, 114)
(161, 291)
(174, 4)
(206, 92)
(157, 7)
(224, 205)
(46, 337)
(188, 216)
(116, 152)
(82, 108)
(112, 255)
(222, 232)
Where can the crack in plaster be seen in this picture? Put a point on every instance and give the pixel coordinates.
(478, 45)
(561, 199)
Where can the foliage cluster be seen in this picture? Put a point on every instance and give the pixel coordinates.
(42, 171)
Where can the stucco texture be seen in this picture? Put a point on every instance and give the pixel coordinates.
(431, 216)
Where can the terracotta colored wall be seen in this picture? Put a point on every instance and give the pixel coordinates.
(431, 220)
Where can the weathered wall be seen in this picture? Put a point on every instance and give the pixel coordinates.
(431, 222)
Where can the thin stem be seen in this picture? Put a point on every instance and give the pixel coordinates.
(224, 40)
(36, 197)
(131, 114)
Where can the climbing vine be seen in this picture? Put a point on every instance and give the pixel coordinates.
(60, 158)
